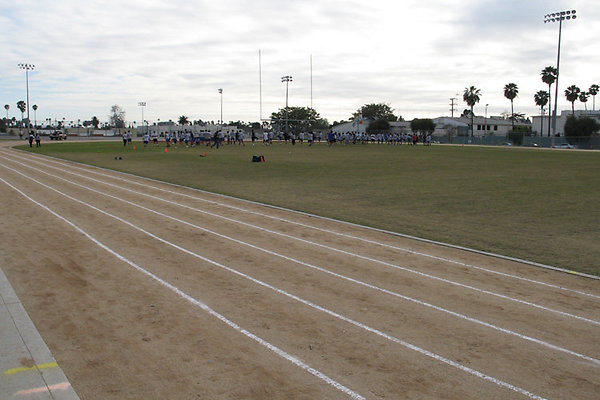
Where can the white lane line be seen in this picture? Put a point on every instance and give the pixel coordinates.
(365, 284)
(384, 335)
(200, 304)
(395, 266)
(442, 259)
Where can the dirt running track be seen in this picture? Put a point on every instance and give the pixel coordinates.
(144, 290)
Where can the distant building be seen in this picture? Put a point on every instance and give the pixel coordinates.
(359, 125)
(560, 121)
(482, 126)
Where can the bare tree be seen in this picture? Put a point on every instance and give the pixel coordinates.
(117, 117)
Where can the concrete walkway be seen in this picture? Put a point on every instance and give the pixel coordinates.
(27, 368)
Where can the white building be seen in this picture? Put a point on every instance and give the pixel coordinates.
(542, 122)
(482, 126)
(491, 126)
(360, 126)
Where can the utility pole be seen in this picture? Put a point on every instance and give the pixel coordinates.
(452, 100)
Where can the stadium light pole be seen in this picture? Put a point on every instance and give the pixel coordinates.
(27, 67)
(559, 17)
(221, 93)
(287, 79)
(142, 104)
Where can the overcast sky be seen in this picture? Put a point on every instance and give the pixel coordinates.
(412, 54)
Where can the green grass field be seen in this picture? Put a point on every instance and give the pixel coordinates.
(533, 204)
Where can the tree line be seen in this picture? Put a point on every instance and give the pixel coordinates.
(549, 75)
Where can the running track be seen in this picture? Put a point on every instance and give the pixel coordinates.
(240, 300)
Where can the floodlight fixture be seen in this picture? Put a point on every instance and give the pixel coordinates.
(560, 16)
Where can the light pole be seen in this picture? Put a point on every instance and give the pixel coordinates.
(221, 93)
(27, 67)
(486, 126)
(142, 104)
(558, 17)
(287, 79)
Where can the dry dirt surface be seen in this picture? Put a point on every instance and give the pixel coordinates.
(145, 290)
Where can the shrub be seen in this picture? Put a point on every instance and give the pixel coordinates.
(579, 130)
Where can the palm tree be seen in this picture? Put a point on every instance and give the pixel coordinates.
(22, 107)
(541, 99)
(593, 91)
(549, 75)
(183, 120)
(583, 97)
(510, 92)
(6, 107)
(572, 94)
(471, 96)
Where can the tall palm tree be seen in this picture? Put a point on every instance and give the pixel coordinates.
(549, 75)
(510, 92)
(593, 91)
(541, 99)
(22, 106)
(6, 107)
(572, 94)
(471, 96)
(583, 97)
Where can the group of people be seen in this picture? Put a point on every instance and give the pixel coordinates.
(36, 137)
(380, 138)
(220, 137)
(190, 139)
(291, 137)
(126, 138)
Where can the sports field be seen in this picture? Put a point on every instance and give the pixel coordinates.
(532, 204)
(148, 290)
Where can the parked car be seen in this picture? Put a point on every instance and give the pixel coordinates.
(563, 146)
(58, 135)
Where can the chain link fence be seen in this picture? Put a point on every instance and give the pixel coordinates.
(587, 143)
